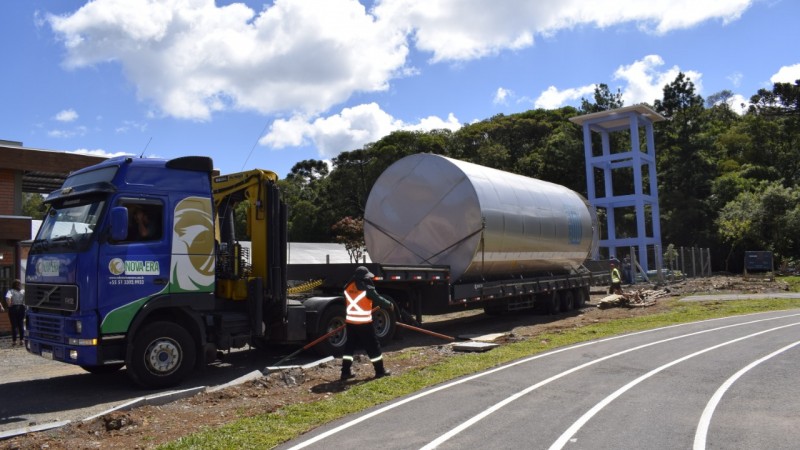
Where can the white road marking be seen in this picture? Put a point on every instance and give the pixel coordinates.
(567, 435)
(392, 406)
(485, 413)
(705, 418)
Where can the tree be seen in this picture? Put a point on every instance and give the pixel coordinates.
(686, 165)
(767, 217)
(774, 126)
(33, 205)
(350, 232)
(302, 190)
(604, 100)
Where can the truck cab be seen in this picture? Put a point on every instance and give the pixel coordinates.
(130, 268)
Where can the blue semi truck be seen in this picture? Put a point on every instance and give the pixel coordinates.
(137, 265)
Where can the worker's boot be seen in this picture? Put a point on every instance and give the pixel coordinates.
(380, 372)
(347, 372)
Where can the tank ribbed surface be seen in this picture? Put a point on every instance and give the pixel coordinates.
(483, 223)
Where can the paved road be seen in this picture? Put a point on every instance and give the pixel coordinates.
(726, 383)
(38, 392)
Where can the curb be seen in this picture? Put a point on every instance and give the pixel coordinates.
(156, 399)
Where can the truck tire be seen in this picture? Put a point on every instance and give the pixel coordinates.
(332, 318)
(163, 354)
(385, 323)
(552, 303)
(581, 297)
(104, 369)
(567, 300)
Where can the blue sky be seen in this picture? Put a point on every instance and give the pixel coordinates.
(268, 84)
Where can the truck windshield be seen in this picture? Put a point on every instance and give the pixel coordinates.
(69, 224)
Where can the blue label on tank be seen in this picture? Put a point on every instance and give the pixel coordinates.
(574, 227)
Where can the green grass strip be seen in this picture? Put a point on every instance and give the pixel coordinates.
(270, 430)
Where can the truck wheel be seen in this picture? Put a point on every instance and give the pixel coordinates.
(567, 301)
(385, 323)
(331, 319)
(163, 354)
(100, 370)
(581, 297)
(553, 303)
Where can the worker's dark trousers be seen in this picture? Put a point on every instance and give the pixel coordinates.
(362, 336)
(16, 315)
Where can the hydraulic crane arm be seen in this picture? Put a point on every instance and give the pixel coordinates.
(254, 187)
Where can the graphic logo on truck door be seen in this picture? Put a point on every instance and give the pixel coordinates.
(118, 267)
(193, 263)
(48, 267)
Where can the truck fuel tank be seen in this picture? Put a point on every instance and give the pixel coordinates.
(482, 222)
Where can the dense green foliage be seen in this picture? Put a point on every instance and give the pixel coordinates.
(727, 181)
(33, 206)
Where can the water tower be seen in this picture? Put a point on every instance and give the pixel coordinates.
(621, 181)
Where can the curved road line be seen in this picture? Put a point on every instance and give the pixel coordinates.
(567, 435)
(389, 407)
(705, 418)
(485, 413)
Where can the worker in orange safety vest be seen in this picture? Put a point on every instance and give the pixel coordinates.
(360, 293)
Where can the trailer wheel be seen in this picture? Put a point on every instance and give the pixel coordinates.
(385, 323)
(162, 356)
(581, 297)
(331, 319)
(104, 369)
(553, 303)
(567, 300)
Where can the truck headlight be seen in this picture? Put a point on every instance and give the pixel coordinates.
(73, 355)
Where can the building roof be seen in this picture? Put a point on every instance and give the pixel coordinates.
(42, 171)
(617, 118)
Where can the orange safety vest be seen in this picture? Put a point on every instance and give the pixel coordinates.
(359, 307)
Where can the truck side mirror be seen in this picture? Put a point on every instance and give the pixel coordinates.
(119, 223)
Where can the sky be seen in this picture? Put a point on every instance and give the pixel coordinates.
(260, 84)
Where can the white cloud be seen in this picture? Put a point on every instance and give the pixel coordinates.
(787, 74)
(738, 104)
(67, 115)
(645, 82)
(351, 129)
(66, 134)
(128, 125)
(192, 58)
(553, 98)
(454, 30)
(501, 96)
(736, 78)
(99, 152)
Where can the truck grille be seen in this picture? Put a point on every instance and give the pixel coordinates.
(52, 296)
(47, 328)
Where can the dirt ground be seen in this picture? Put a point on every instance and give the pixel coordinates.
(149, 426)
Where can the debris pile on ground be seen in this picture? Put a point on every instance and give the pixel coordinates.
(633, 299)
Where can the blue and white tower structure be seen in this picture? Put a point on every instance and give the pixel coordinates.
(631, 162)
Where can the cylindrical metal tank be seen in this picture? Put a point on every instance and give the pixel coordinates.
(484, 223)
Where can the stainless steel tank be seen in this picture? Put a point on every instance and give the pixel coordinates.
(483, 223)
